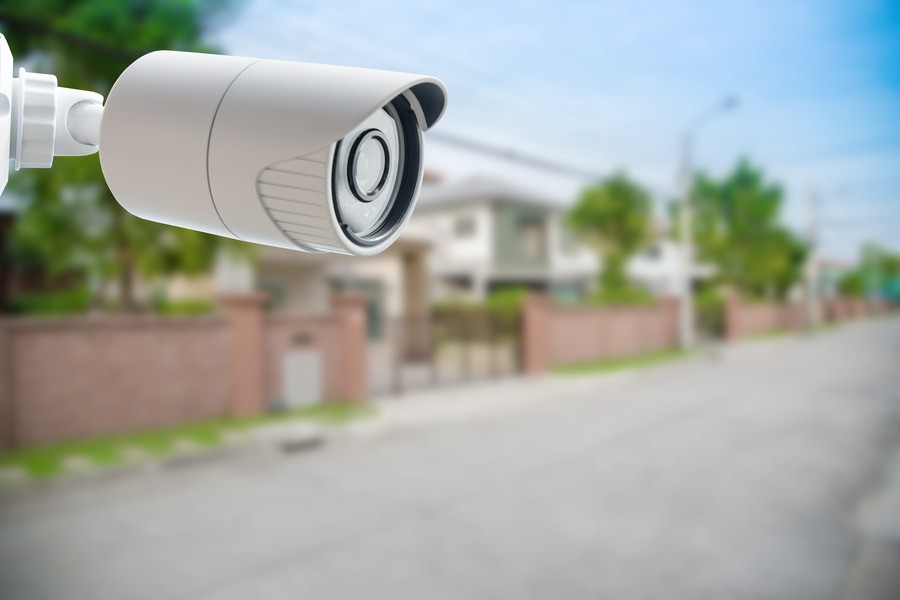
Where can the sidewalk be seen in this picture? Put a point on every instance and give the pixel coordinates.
(482, 400)
(493, 398)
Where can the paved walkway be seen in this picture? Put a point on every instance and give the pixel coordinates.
(769, 472)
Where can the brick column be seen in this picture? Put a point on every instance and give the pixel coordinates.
(795, 318)
(827, 308)
(536, 334)
(669, 306)
(7, 401)
(353, 343)
(732, 317)
(244, 314)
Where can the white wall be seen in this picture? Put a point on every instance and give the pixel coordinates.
(450, 251)
(451, 254)
(301, 287)
(575, 259)
(385, 269)
(660, 273)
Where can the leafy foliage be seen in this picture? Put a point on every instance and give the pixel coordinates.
(506, 303)
(69, 223)
(184, 308)
(614, 216)
(878, 273)
(852, 284)
(55, 303)
(710, 305)
(630, 295)
(737, 229)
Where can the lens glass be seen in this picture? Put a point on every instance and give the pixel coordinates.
(368, 172)
(370, 168)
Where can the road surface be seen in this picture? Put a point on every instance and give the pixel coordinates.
(754, 475)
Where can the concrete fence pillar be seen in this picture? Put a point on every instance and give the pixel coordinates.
(350, 310)
(7, 401)
(732, 325)
(827, 310)
(794, 316)
(536, 334)
(669, 306)
(244, 314)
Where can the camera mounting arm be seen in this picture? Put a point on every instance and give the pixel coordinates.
(39, 120)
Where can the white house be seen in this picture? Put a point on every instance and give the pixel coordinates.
(488, 234)
(464, 240)
(658, 268)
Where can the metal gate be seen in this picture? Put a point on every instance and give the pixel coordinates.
(444, 348)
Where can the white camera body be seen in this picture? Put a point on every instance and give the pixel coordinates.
(301, 156)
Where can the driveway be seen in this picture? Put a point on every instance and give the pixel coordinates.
(751, 475)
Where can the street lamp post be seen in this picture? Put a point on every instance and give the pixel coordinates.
(686, 306)
(813, 309)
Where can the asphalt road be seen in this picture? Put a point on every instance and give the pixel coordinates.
(749, 476)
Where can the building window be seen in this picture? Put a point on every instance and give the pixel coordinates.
(464, 227)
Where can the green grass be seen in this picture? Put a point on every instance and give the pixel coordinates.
(47, 461)
(772, 334)
(621, 364)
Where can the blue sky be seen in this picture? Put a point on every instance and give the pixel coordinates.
(612, 85)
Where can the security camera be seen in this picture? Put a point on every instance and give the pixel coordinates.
(302, 156)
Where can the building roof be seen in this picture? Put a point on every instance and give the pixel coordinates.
(483, 188)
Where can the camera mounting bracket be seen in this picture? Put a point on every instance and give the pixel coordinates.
(39, 120)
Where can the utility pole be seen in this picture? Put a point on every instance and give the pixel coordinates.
(686, 221)
(813, 309)
(686, 247)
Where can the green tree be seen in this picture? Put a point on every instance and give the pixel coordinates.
(737, 229)
(69, 223)
(614, 216)
(852, 284)
(877, 273)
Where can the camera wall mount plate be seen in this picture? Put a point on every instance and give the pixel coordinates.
(6, 67)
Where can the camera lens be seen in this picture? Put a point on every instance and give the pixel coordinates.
(375, 173)
(369, 162)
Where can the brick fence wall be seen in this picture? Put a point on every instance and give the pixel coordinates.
(338, 337)
(76, 378)
(840, 309)
(71, 378)
(559, 335)
(746, 319)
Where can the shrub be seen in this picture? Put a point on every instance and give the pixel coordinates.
(68, 302)
(506, 303)
(710, 307)
(623, 296)
(183, 308)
